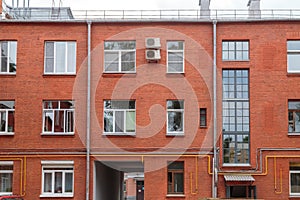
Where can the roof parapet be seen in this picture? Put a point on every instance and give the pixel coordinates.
(254, 9)
(204, 9)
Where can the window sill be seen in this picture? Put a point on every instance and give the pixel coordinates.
(119, 134)
(130, 72)
(73, 74)
(57, 195)
(294, 196)
(175, 134)
(236, 60)
(8, 74)
(7, 134)
(175, 195)
(236, 165)
(57, 134)
(294, 134)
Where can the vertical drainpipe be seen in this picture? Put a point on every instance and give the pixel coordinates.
(88, 111)
(215, 122)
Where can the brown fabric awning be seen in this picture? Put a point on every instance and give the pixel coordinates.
(239, 178)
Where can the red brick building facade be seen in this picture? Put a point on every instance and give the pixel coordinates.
(83, 102)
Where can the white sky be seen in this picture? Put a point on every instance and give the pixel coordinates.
(160, 4)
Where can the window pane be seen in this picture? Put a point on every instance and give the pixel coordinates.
(176, 165)
(175, 45)
(6, 182)
(71, 57)
(293, 62)
(59, 121)
(130, 121)
(12, 56)
(60, 57)
(123, 104)
(58, 182)
(48, 121)
(175, 104)
(4, 56)
(119, 123)
(3, 121)
(11, 121)
(108, 121)
(293, 45)
(69, 123)
(69, 182)
(49, 57)
(178, 182)
(295, 182)
(47, 182)
(175, 121)
(175, 67)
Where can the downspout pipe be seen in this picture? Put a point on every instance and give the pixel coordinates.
(215, 122)
(88, 111)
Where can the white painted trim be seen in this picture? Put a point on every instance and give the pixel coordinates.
(6, 162)
(57, 162)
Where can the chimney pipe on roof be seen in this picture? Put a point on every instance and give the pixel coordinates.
(204, 8)
(254, 9)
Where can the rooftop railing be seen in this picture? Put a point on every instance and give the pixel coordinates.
(148, 15)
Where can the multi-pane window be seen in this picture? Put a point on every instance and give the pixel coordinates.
(236, 122)
(57, 179)
(295, 179)
(203, 117)
(60, 57)
(58, 117)
(235, 50)
(176, 178)
(119, 117)
(175, 117)
(6, 177)
(119, 56)
(8, 57)
(293, 56)
(175, 57)
(294, 116)
(7, 117)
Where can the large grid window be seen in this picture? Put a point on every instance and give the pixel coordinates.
(60, 57)
(294, 117)
(175, 117)
(8, 57)
(6, 177)
(293, 56)
(119, 56)
(176, 178)
(57, 179)
(119, 117)
(236, 121)
(175, 57)
(295, 179)
(58, 117)
(7, 117)
(235, 50)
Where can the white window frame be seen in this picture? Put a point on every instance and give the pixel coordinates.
(9, 46)
(235, 50)
(114, 119)
(6, 132)
(176, 51)
(175, 133)
(7, 163)
(292, 52)
(66, 72)
(52, 167)
(120, 51)
(53, 110)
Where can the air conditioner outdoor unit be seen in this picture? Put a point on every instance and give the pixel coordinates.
(153, 54)
(153, 43)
